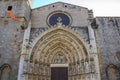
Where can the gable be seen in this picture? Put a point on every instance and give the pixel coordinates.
(60, 4)
(79, 15)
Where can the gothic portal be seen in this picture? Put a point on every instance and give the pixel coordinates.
(60, 54)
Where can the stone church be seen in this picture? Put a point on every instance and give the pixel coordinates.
(59, 41)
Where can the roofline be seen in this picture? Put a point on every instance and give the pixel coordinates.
(58, 2)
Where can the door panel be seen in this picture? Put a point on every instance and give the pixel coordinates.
(59, 73)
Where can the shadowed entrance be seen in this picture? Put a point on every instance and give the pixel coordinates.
(59, 73)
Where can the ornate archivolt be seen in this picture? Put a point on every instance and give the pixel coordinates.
(59, 45)
(59, 38)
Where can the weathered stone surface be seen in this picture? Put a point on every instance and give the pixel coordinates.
(108, 42)
(11, 35)
(73, 41)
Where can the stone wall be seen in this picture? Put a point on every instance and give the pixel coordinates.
(20, 8)
(11, 35)
(108, 43)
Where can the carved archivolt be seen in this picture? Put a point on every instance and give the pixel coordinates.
(59, 46)
(59, 39)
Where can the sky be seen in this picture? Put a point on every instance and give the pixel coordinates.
(99, 7)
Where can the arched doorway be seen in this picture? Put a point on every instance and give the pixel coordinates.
(63, 49)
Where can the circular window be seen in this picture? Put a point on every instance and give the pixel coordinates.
(59, 17)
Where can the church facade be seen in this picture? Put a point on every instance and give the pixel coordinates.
(59, 41)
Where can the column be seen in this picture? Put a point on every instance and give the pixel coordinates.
(94, 50)
(97, 69)
(24, 54)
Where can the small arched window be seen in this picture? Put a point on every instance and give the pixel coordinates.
(4, 72)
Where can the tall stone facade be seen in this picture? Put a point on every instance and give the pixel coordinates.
(59, 35)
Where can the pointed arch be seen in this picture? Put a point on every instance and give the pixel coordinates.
(59, 37)
(74, 53)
